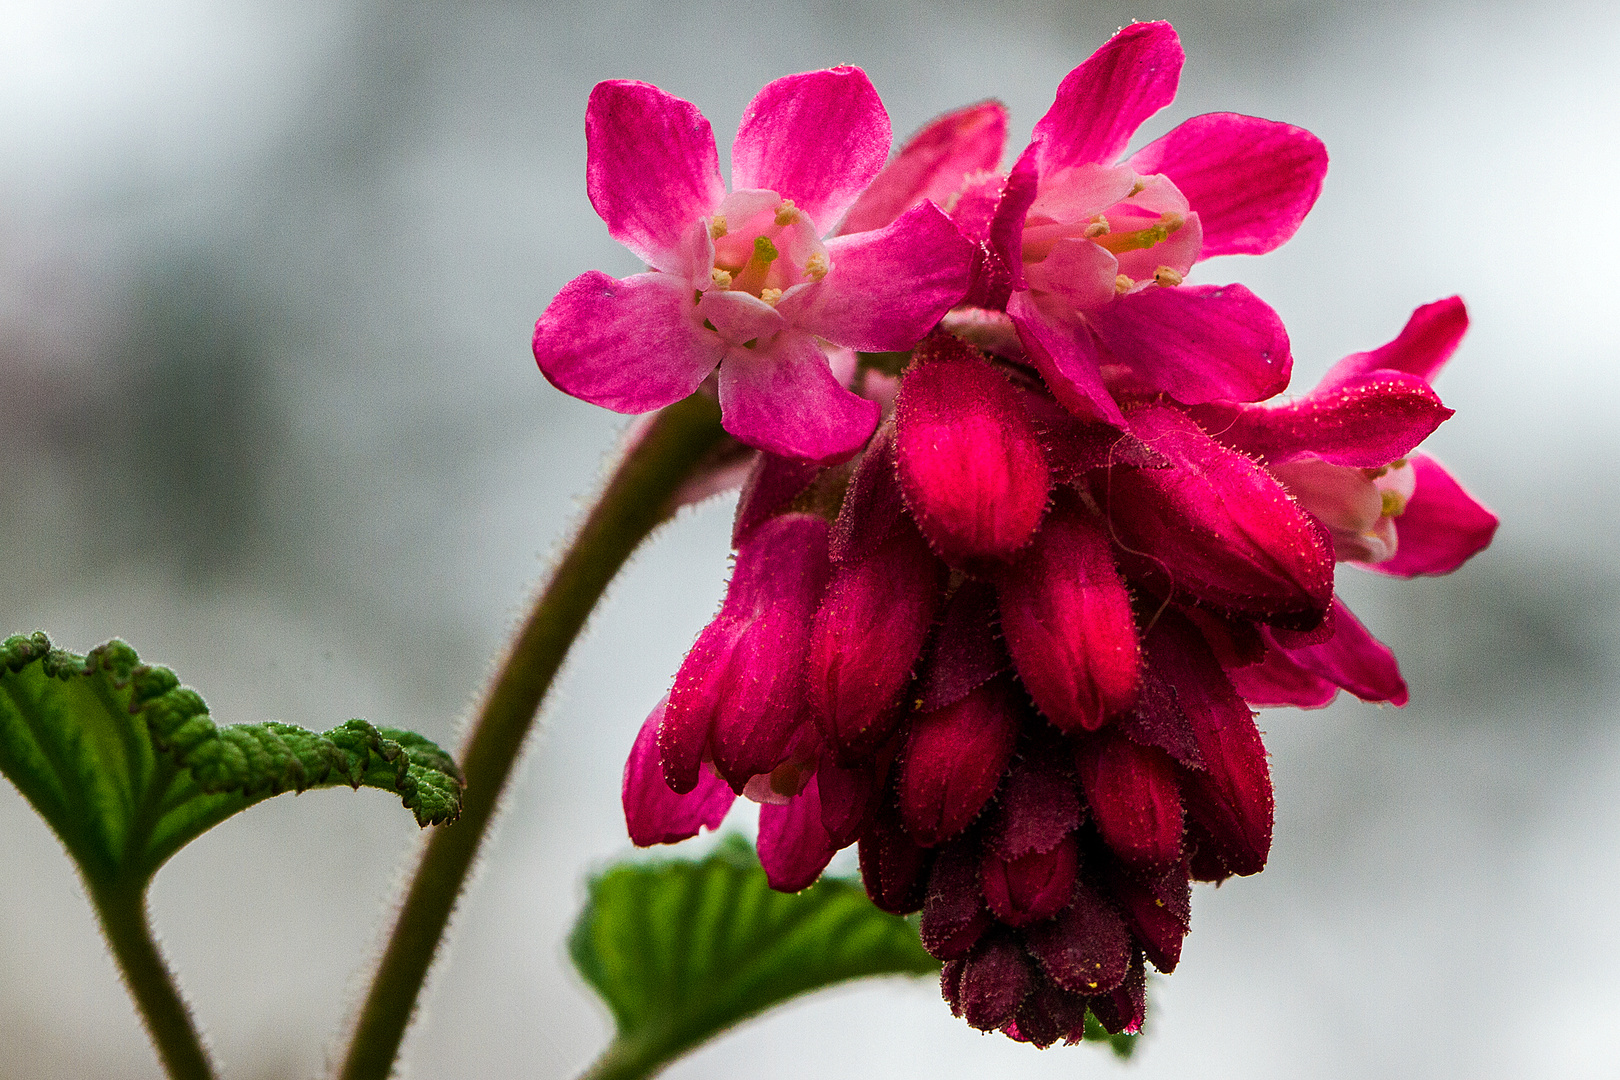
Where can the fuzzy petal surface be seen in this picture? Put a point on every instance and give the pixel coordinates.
(1067, 358)
(1198, 342)
(772, 484)
(1134, 799)
(630, 345)
(1087, 948)
(793, 846)
(932, 165)
(968, 650)
(1068, 623)
(651, 168)
(953, 762)
(1101, 103)
(887, 288)
(817, 138)
(1251, 181)
(783, 398)
(653, 813)
(1442, 528)
(1031, 887)
(954, 916)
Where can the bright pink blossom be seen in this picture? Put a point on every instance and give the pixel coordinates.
(745, 281)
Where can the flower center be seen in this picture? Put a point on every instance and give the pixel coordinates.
(764, 245)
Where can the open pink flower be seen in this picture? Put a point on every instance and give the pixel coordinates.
(745, 281)
(1095, 250)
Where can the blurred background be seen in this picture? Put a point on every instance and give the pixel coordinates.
(267, 276)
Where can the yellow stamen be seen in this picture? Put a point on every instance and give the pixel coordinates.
(1123, 284)
(1393, 503)
(787, 213)
(1138, 187)
(1166, 276)
(1119, 243)
(717, 226)
(770, 296)
(1098, 227)
(720, 278)
(816, 265)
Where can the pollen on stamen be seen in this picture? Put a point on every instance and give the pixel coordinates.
(770, 296)
(1123, 284)
(816, 265)
(787, 213)
(1392, 503)
(717, 226)
(720, 278)
(1165, 276)
(1098, 227)
(1136, 188)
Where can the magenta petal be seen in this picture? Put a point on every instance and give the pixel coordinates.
(1278, 679)
(1087, 948)
(1364, 424)
(1251, 181)
(953, 762)
(1068, 623)
(1007, 222)
(817, 138)
(866, 640)
(886, 288)
(740, 692)
(872, 503)
(1198, 342)
(1217, 526)
(1442, 527)
(654, 813)
(1101, 103)
(1134, 799)
(1354, 659)
(651, 169)
(1067, 358)
(970, 459)
(782, 397)
(630, 345)
(1159, 911)
(1422, 348)
(932, 165)
(793, 846)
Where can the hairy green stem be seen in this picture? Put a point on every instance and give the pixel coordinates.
(122, 908)
(628, 1060)
(637, 498)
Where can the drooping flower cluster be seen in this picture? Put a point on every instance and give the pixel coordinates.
(1010, 641)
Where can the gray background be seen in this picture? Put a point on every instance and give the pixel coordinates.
(267, 276)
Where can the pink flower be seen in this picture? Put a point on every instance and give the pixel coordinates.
(745, 281)
(1095, 250)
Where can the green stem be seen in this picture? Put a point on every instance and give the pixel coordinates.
(122, 908)
(624, 1060)
(637, 498)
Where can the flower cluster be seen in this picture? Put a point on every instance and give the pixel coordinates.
(1003, 620)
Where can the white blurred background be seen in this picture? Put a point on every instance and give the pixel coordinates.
(267, 276)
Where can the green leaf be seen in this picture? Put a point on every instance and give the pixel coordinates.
(127, 766)
(680, 951)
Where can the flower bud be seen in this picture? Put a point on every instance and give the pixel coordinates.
(954, 916)
(987, 986)
(1031, 887)
(894, 867)
(953, 761)
(1134, 799)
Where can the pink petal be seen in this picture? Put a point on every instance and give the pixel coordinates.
(1217, 526)
(1068, 623)
(1087, 948)
(1365, 424)
(782, 397)
(1280, 680)
(1067, 358)
(793, 847)
(654, 813)
(739, 695)
(970, 461)
(1134, 799)
(1101, 103)
(1007, 223)
(849, 797)
(817, 138)
(651, 169)
(630, 345)
(1030, 887)
(1442, 527)
(932, 165)
(887, 288)
(1354, 659)
(1078, 274)
(1251, 181)
(1422, 348)
(953, 761)
(1198, 342)
(868, 634)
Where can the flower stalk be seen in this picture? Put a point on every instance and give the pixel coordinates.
(639, 496)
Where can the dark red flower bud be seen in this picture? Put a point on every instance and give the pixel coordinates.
(866, 640)
(1134, 797)
(1037, 809)
(1068, 622)
(1031, 887)
(772, 485)
(1158, 910)
(954, 916)
(894, 868)
(967, 650)
(872, 502)
(849, 797)
(970, 460)
(1050, 1013)
(987, 986)
(1087, 948)
(1124, 1007)
(953, 761)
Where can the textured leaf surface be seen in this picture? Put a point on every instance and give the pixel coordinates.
(127, 766)
(682, 950)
